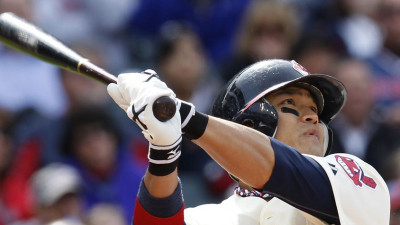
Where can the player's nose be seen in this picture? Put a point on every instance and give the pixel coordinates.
(308, 116)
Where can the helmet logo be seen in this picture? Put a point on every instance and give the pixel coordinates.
(299, 68)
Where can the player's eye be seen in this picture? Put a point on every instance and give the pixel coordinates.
(288, 101)
(314, 109)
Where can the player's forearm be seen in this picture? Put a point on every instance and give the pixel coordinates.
(161, 186)
(158, 210)
(248, 156)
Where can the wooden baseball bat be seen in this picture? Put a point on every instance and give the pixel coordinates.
(21, 35)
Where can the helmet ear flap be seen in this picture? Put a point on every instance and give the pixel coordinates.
(260, 116)
(230, 105)
(328, 138)
(226, 105)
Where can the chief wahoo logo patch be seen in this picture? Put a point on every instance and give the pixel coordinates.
(355, 172)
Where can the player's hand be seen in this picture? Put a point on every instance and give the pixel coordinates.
(186, 110)
(135, 93)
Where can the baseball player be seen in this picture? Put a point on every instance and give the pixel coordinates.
(269, 131)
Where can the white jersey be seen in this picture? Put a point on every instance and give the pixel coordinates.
(361, 196)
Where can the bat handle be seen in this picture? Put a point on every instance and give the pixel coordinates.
(163, 108)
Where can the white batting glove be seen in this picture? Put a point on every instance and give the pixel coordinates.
(135, 93)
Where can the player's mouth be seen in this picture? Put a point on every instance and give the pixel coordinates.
(312, 133)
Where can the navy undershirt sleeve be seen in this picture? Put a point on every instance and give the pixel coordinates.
(161, 207)
(301, 182)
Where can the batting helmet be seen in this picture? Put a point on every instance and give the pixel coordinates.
(243, 101)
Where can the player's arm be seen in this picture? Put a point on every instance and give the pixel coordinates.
(157, 205)
(134, 93)
(306, 185)
(159, 199)
(244, 152)
(163, 193)
(262, 162)
(161, 186)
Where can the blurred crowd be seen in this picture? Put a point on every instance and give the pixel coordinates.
(69, 155)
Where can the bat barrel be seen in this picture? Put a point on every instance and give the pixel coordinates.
(23, 36)
(26, 37)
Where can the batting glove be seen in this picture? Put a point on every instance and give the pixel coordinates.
(135, 93)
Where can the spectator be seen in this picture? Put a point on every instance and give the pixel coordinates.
(80, 91)
(216, 22)
(307, 9)
(93, 145)
(385, 64)
(66, 222)
(318, 52)
(351, 21)
(358, 27)
(33, 85)
(105, 214)
(75, 20)
(395, 203)
(268, 30)
(6, 151)
(358, 129)
(56, 190)
(17, 164)
(392, 166)
(183, 64)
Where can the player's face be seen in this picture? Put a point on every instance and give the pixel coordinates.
(298, 123)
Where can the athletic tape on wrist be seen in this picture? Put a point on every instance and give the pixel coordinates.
(164, 159)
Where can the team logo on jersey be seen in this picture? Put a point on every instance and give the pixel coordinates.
(299, 68)
(355, 172)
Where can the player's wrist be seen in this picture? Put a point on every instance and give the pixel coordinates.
(162, 169)
(196, 126)
(163, 160)
(194, 123)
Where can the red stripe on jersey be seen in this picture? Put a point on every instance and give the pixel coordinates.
(142, 217)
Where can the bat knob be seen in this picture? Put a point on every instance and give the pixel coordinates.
(164, 108)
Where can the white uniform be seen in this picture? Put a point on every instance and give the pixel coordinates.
(362, 198)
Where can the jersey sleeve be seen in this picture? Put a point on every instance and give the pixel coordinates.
(301, 182)
(361, 195)
(158, 211)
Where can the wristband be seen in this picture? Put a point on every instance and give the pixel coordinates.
(196, 126)
(164, 159)
(194, 123)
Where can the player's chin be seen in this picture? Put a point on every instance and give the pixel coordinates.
(311, 146)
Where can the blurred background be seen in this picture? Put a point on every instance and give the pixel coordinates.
(69, 155)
